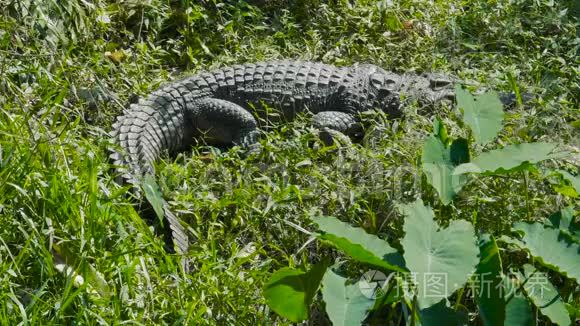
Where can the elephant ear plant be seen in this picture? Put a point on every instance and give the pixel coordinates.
(435, 273)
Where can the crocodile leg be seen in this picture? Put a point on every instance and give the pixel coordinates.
(329, 122)
(224, 122)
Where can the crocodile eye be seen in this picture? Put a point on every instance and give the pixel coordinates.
(390, 84)
(376, 81)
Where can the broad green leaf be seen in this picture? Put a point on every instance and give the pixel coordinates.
(483, 113)
(440, 132)
(153, 195)
(508, 159)
(573, 179)
(441, 314)
(518, 311)
(358, 244)
(442, 259)
(438, 169)
(550, 248)
(392, 291)
(564, 220)
(487, 282)
(314, 278)
(459, 151)
(571, 190)
(345, 303)
(565, 190)
(290, 291)
(544, 296)
(438, 164)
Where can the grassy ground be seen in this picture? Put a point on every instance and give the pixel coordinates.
(68, 68)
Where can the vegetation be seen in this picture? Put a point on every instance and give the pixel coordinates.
(436, 261)
(73, 249)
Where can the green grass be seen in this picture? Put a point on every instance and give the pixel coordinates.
(68, 69)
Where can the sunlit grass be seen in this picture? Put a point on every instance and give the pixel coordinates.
(60, 89)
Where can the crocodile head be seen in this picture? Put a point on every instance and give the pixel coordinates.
(388, 89)
(429, 88)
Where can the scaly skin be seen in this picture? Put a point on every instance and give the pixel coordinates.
(222, 104)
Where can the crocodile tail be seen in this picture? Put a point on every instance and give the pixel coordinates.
(180, 238)
(150, 127)
(174, 234)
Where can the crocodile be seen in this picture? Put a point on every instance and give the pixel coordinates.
(224, 105)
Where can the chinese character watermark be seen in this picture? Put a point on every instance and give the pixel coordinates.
(375, 284)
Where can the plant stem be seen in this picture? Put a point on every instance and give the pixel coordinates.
(528, 209)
